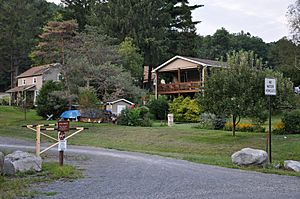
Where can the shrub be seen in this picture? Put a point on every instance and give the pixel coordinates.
(158, 107)
(5, 100)
(278, 128)
(211, 121)
(244, 127)
(50, 100)
(185, 109)
(291, 121)
(138, 116)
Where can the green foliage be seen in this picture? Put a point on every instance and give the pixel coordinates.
(138, 116)
(159, 107)
(241, 87)
(51, 100)
(291, 121)
(284, 57)
(55, 172)
(185, 109)
(211, 121)
(94, 56)
(5, 100)
(21, 23)
(87, 98)
(132, 60)
(54, 39)
(217, 46)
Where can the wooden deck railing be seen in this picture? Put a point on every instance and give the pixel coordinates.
(182, 87)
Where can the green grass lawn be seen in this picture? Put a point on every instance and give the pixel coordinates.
(181, 141)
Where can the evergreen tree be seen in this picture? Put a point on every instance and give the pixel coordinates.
(55, 37)
(21, 22)
(182, 31)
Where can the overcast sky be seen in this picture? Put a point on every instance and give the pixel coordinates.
(262, 18)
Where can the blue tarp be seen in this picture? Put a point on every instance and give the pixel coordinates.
(72, 114)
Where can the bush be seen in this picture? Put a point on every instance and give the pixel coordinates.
(278, 128)
(159, 107)
(138, 116)
(211, 121)
(5, 100)
(50, 100)
(291, 121)
(185, 109)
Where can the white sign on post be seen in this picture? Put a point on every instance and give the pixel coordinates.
(270, 86)
(62, 145)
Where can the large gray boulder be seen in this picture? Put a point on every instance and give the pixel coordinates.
(292, 165)
(248, 156)
(20, 161)
(1, 162)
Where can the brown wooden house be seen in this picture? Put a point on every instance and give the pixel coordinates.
(183, 75)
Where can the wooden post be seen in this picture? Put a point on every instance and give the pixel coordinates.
(61, 158)
(178, 75)
(38, 140)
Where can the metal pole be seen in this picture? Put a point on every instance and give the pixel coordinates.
(38, 140)
(270, 131)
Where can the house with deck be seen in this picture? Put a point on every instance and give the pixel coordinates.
(31, 81)
(182, 75)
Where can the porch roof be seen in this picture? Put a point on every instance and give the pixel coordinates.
(21, 88)
(196, 61)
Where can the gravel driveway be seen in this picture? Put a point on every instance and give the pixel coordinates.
(114, 174)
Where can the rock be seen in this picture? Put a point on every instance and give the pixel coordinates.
(20, 161)
(1, 162)
(248, 156)
(292, 165)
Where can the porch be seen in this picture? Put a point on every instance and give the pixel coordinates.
(179, 87)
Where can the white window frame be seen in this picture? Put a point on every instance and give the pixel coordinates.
(23, 81)
(34, 80)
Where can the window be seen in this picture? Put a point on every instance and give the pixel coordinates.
(34, 80)
(23, 81)
(59, 77)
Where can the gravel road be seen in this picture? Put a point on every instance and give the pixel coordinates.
(112, 174)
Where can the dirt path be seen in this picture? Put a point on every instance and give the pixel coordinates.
(114, 174)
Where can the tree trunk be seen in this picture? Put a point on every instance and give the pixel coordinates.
(233, 124)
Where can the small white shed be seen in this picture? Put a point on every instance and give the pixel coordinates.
(118, 105)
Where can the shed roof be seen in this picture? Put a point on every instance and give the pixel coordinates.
(37, 70)
(203, 62)
(113, 102)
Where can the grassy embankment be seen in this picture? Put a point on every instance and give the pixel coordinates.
(181, 141)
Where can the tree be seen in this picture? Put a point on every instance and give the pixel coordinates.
(19, 29)
(221, 42)
(240, 86)
(132, 61)
(284, 57)
(94, 56)
(79, 10)
(55, 37)
(181, 31)
(293, 15)
(50, 100)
